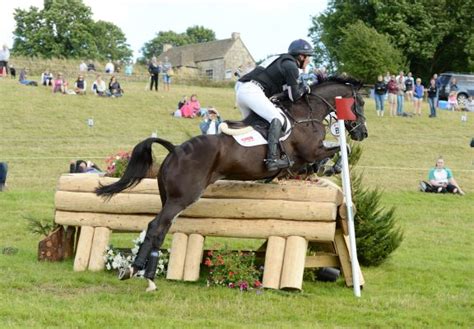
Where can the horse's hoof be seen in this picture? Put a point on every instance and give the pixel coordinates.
(151, 286)
(125, 273)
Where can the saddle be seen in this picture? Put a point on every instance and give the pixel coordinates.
(251, 125)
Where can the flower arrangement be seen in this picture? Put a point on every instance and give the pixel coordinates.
(233, 269)
(116, 259)
(117, 163)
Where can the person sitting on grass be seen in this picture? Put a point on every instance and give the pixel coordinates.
(80, 86)
(441, 180)
(84, 167)
(211, 122)
(191, 108)
(59, 84)
(24, 80)
(98, 87)
(115, 90)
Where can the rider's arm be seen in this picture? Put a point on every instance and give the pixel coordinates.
(294, 90)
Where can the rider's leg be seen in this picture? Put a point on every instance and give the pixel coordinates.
(273, 160)
(252, 97)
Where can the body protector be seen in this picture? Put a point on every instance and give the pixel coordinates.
(278, 74)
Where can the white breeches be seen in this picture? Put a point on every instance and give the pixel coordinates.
(251, 98)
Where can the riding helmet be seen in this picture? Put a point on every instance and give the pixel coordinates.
(300, 47)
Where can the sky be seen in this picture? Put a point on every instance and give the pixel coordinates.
(265, 27)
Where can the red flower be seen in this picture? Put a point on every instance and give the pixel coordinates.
(208, 262)
(257, 284)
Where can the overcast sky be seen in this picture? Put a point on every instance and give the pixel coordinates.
(265, 27)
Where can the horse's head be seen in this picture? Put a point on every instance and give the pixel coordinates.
(324, 94)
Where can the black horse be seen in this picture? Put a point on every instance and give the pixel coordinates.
(190, 167)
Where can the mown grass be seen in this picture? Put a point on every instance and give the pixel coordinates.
(426, 283)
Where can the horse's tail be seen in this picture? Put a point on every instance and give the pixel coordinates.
(137, 168)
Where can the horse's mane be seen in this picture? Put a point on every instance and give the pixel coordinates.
(342, 79)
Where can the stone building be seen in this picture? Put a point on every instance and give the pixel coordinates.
(217, 60)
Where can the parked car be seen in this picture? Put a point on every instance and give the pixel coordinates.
(465, 83)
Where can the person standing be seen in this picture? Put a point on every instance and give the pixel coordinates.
(409, 88)
(167, 73)
(418, 92)
(380, 89)
(109, 67)
(4, 58)
(432, 97)
(392, 89)
(154, 69)
(400, 94)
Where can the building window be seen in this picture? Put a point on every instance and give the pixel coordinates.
(210, 74)
(228, 74)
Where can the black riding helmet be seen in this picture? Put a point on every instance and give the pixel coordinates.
(300, 47)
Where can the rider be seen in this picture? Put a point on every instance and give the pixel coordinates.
(275, 75)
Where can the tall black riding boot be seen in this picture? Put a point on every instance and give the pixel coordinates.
(273, 160)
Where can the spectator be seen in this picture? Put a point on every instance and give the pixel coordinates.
(392, 89)
(98, 87)
(380, 89)
(81, 166)
(47, 78)
(409, 87)
(3, 175)
(23, 79)
(4, 58)
(190, 109)
(128, 69)
(453, 86)
(432, 97)
(183, 102)
(441, 180)
(418, 92)
(400, 94)
(82, 67)
(90, 66)
(12, 72)
(211, 122)
(154, 68)
(387, 77)
(80, 86)
(167, 73)
(59, 84)
(109, 67)
(115, 90)
(453, 100)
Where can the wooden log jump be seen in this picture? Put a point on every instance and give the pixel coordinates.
(288, 214)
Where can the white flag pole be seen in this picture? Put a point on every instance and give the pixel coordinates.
(346, 186)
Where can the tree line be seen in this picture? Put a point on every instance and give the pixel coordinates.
(367, 38)
(65, 29)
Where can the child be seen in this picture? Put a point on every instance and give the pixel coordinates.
(419, 91)
(452, 100)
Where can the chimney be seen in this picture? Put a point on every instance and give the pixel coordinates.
(167, 46)
(235, 35)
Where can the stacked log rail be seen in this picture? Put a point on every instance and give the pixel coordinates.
(296, 212)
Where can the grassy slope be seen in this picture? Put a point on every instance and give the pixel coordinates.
(427, 282)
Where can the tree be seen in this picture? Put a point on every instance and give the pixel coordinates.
(65, 29)
(194, 34)
(365, 53)
(111, 42)
(432, 35)
(377, 232)
(198, 34)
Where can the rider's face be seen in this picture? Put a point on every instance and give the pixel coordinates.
(304, 60)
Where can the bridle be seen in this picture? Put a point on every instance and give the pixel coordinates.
(355, 108)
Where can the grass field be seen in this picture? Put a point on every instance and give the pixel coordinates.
(428, 281)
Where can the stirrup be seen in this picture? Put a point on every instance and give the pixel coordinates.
(275, 164)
